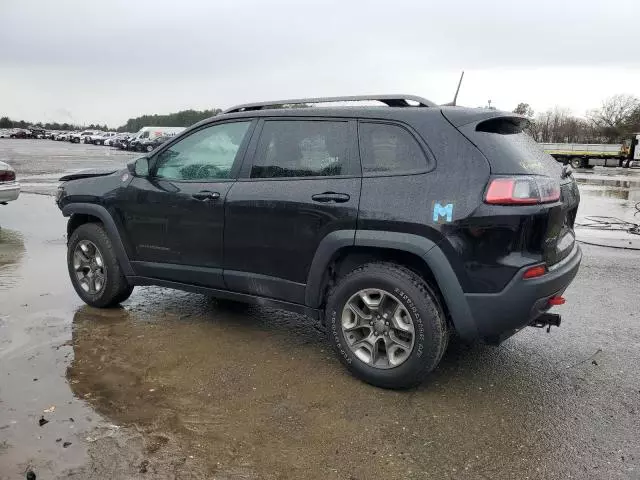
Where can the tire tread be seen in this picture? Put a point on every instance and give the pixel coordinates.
(402, 273)
(117, 287)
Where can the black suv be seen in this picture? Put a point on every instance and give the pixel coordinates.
(394, 225)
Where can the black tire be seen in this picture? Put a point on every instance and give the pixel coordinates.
(116, 288)
(576, 162)
(149, 148)
(430, 325)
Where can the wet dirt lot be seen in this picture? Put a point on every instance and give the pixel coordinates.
(174, 385)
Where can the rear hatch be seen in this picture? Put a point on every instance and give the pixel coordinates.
(512, 153)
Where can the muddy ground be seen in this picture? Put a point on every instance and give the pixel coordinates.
(175, 385)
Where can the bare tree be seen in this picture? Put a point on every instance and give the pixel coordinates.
(559, 125)
(615, 117)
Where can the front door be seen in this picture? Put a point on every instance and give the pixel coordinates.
(302, 184)
(174, 217)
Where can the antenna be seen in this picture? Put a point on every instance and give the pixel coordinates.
(455, 97)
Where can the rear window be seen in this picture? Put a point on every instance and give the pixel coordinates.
(387, 148)
(509, 149)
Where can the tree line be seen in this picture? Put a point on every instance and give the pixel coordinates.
(184, 118)
(6, 122)
(614, 121)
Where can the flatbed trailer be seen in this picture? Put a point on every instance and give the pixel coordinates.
(586, 155)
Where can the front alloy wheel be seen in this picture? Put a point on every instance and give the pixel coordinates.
(94, 268)
(88, 264)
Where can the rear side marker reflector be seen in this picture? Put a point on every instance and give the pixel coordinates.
(535, 272)
(522, 190)
(557, 300)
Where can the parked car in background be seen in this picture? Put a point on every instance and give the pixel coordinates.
(62, 136)
(38, 132)
(108, 141)
(118, 140)
(100, 137)
(9, 186)
(4, 133)
(151, 133)
(93, 138)
(151, 145)
(122, 143)
(20, 133)
(82, 137)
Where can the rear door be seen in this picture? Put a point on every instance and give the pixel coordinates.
(302, 183)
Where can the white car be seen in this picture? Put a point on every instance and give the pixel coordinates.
(9, 187)
(102, 138)
(82, 137)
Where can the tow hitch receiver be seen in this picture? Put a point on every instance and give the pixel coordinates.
(547, 320)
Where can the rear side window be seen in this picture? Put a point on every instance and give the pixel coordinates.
(509, 149)
(302, 148)
(387, 148)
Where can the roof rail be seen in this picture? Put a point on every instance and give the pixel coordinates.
(389, 100)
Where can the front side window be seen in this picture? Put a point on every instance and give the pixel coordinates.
(207, 154)
(302, 148)
(389, 149)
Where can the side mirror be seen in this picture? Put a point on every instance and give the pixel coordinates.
(138, 167)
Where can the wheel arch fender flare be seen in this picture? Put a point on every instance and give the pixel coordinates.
(102, 213)
(420, 246)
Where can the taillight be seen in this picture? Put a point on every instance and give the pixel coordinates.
(522, 190)
(7, 175)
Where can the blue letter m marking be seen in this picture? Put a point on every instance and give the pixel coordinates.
(440, 211)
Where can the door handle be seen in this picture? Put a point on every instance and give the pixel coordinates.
(330, 197)
(206, 195)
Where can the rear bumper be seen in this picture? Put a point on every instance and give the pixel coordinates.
(499, 315)
(9, 191)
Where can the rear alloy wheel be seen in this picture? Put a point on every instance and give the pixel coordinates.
(378, 328)
(149, 148)
(94, 269)
(387, 325)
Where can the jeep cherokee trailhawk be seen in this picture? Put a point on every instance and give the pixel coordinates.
(395, 225)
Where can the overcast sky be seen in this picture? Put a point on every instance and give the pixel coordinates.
(86, 61)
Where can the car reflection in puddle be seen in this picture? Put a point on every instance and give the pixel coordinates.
(612, 192)
(12, 250)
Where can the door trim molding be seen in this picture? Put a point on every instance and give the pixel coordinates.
(191, 274)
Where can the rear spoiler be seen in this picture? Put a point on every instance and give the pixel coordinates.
(459, 117)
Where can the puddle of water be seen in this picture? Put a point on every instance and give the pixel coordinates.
(11, 252)
(609, 192)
